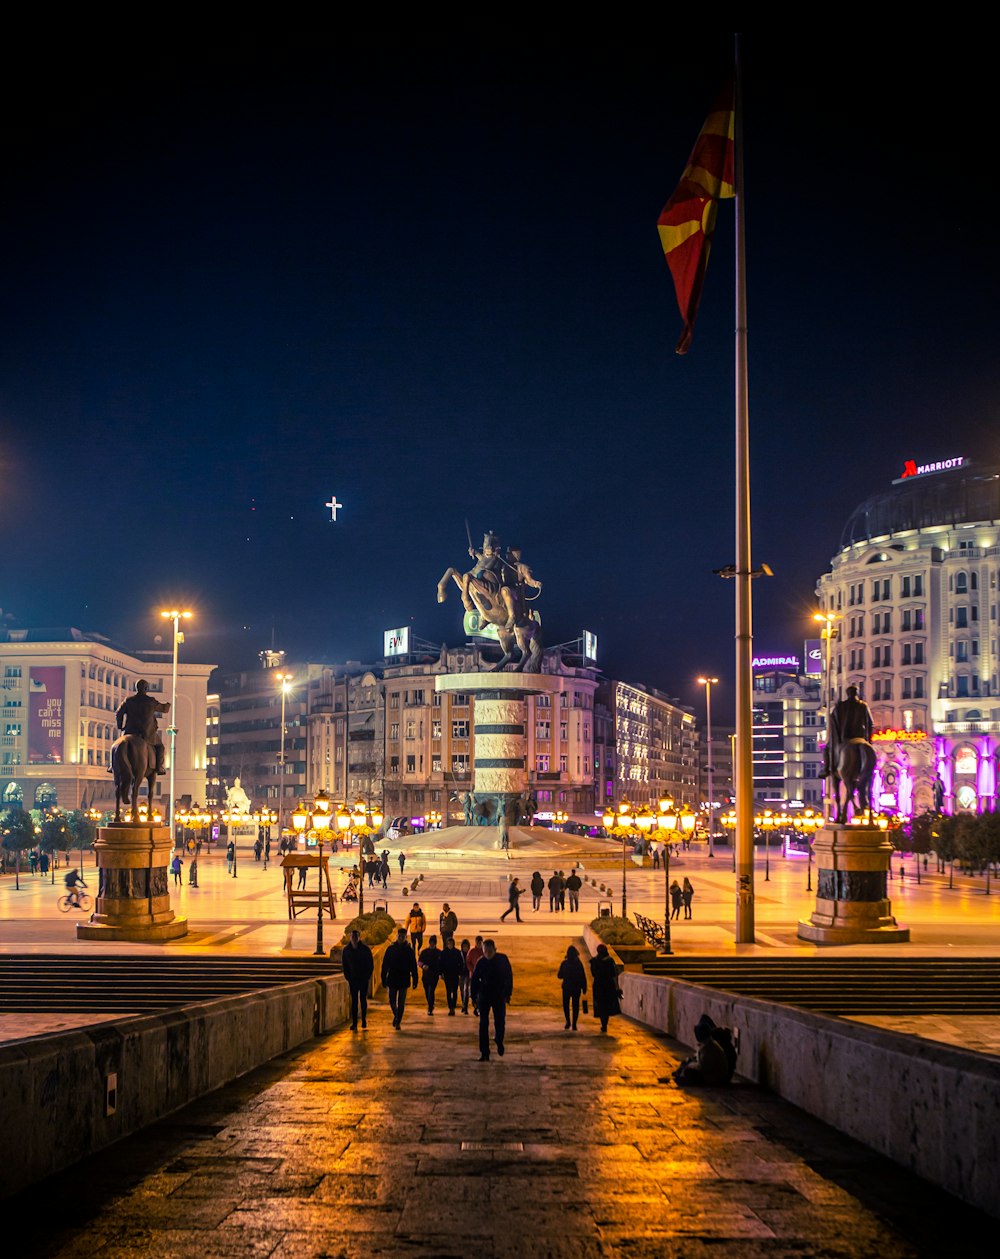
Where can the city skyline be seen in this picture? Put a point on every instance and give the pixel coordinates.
(433, 292)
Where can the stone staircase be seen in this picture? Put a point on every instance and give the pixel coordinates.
(848, 986)
(139, 984)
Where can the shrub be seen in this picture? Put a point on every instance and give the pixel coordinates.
(617, 931)
(375, 928)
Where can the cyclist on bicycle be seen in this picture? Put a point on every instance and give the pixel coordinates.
(74, 882)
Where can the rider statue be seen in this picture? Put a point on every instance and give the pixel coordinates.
(851, 719)
(137, 715)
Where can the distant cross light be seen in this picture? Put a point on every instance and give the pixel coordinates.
(333, 506)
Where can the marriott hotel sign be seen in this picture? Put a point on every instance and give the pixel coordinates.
(912, 468)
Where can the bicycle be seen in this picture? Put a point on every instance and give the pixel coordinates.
(80, 901)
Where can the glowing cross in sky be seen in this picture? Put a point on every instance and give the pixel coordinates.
(333, 506)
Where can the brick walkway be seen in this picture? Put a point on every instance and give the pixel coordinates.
(577, 1147)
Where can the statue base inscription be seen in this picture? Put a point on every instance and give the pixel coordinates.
(133, 898)
(852, 901)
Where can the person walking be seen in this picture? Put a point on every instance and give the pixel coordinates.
(492, 989)
(514, 894)
(447, 923)
(429, 962)
(371, 868)
(537, 888)
(604, 973)
(193, 873)
(573, 885)
(302, 878)
(465, 979)
(43, 863)
(574, 984)
(471, 962)
(451, 964)
(358, 963)
(383, 870)
(676, 899)
(687, 895)
(402, 862)
(562, 889)
(656, 856)
(230, 857)
(175, 869)
(555, 887)
(399, 973)
(416, 925)
(33, 861)
(258, 849)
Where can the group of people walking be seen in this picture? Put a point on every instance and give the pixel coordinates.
(474, 974)
(681, 898)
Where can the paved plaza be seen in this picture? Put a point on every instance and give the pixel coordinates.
(400, 1144)
(392, 1144)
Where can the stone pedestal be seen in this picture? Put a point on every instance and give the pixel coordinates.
(852, 902)
(133, 900)
(500, 715)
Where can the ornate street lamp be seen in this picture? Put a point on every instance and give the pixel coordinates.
(285, 682)
(666, 823)
(175, 617)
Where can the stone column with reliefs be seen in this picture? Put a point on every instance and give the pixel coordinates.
(133, 896)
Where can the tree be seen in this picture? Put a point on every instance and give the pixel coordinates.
(922, 832)
(83, 832)
(55, 837)
(17, 832)
(946, 841)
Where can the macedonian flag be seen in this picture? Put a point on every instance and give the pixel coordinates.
(688, 219)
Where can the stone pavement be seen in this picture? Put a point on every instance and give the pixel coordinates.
(384, 1143)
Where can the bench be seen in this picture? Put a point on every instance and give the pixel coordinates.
(654, 933)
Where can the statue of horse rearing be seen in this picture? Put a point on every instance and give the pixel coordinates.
(132, 760)
(855, 768)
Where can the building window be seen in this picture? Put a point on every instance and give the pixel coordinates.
(961, 618)
(918, 653)
(394, 699)
(563, 732)
(543, 701)
(460, 700)
(563, 764)
(918, 619)
(436, 728)
(961, 651)
(394, 731)
(906, 621)
(435, 765)
(542, 762)
(411, 764)
(961, 583)
(887, 689)
(460, 729)
(460, 763)
(411, 729)
(543, 730)
(918, 688)
(904, 589)
(906, 654)
(393, 764)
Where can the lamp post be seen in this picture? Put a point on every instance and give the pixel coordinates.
(175, 617)
(666, 823)
(285, 683)
(316, 822)
(625, 822)
(708, 683)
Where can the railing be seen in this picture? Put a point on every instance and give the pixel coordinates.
(969, 727)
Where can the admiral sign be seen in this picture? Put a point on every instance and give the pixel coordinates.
(774, 662)
(397, 641)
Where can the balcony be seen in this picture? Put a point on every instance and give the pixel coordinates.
(968, 727)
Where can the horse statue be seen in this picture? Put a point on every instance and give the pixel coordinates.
(132, 760)
(493, 593)
(855, 769)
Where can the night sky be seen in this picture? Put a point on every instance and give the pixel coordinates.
(239, 281)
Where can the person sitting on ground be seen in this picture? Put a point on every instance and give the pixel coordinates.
(711, 1064)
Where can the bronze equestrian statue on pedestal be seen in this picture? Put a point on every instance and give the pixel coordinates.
(850, 756)
(138, 754)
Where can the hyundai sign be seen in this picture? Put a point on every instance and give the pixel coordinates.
(814, 657)
(397, 641)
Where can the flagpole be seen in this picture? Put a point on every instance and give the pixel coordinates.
(744, 615)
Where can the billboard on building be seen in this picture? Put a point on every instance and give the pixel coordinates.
(589, 645)
(397, 641)
(813, 655)
(46, 714)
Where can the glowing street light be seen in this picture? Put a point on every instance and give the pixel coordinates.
(175, 616)
(316, 822)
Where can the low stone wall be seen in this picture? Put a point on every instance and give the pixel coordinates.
(932, 1109)
(68, 1095)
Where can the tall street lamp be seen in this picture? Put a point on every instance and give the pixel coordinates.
(316, 822)
(175, 616)
(666, 823)
(708, 683)
(285, 683)
(828, 633)
(620, 819)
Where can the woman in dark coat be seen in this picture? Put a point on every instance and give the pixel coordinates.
(604, 972)
(574, 983)
(537, 888)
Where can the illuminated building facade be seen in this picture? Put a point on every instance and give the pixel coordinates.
(788, 732)
(655, 746)
(61, 689)
(913, 588)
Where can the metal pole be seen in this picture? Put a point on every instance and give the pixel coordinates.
(711, 797)
(767, 854)
(361, 878)
(624, 893)
(173, 734)
(744, 616)
(319, 898)
(281, 775)
(666, 898)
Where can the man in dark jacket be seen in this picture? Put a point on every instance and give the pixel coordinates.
(492, 987)
(358, 964)
(429, 962)
(573, 885)
(399, 972)
(556, 887)
(452, 965)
